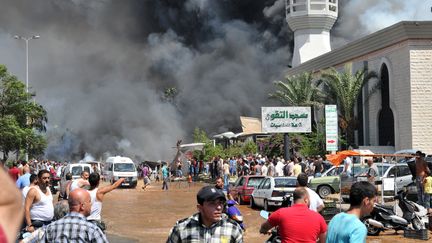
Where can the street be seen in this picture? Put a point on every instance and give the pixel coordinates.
(135, 215)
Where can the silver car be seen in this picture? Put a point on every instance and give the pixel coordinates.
(271, 191)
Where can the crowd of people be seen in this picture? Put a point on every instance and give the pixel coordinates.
(298, 223)
(75, 217)
(77, 214)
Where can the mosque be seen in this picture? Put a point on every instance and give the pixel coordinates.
(399, 115)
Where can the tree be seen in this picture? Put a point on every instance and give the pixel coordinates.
(299, 90)
(250, 148)
(21, 119)
(345, 88)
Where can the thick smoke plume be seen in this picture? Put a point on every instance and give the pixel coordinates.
(101, 67)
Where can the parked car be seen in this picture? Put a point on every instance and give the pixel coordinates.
(329, 182)
(243, 188)
(271, 191)
(400, 172)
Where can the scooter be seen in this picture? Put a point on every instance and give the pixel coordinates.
(384, 218)
(234, 213)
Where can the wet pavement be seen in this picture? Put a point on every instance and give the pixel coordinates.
(137, 215)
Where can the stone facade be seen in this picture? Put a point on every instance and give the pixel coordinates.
(406, 50)
(421, 96)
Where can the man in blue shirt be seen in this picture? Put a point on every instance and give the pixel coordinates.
(347, 227)
(24, 180)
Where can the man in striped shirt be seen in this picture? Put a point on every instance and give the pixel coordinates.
(74, 227)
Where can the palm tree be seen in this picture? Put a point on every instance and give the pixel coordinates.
(344, 89)
(299, 90)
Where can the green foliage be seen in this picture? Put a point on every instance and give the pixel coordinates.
(299, 90)
(200, 136)
(234, 151)
(211, 152)
(272, 146)
(344, 89)
(250, 148)
(170, 94)
(20, 117)
(312, 144)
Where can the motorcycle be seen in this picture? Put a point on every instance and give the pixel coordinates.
(234, 213)
(384, 217)
(274, 233)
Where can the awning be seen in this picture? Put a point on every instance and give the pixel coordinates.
(191, 147)
(250, 125)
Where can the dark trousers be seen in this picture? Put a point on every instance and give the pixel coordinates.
(165, 183)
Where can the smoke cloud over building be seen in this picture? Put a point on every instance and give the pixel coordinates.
(101, 67)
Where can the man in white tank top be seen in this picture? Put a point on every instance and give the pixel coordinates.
(39, 208)
(81, 182)
(97, 194)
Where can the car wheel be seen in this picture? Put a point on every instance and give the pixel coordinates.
(240, 200)
(324, 191)
(252, 203)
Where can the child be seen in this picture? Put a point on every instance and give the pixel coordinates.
(427, 182)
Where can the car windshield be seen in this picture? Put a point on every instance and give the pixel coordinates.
(77, 170)
(254, 181)
(285, 182)
(124, 167)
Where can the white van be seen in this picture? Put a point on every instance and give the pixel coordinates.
(76, 170)
(121, 167)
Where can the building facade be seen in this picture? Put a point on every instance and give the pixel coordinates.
(399, 114)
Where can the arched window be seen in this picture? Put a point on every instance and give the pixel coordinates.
(385, 118)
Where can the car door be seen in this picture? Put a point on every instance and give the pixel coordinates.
(256, 193)
(267, 190)
(404, 176)
(261, 193)
(238, 185)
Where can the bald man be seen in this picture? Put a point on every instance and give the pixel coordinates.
(74, 227)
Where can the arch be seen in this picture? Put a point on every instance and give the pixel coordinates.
(386, 121)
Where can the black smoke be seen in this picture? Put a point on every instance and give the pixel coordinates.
(101, 67)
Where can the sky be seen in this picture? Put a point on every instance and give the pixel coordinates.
(100, 67)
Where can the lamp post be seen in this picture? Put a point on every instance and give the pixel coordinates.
(26, 39)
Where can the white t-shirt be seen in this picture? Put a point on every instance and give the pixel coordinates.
(315, 200)
(279, 168)
(348, 165)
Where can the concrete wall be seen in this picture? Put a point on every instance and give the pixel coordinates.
(396, 58)
(421, 101)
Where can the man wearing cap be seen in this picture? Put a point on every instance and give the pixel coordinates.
(209, 224)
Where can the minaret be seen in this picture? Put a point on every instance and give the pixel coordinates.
(311, 21)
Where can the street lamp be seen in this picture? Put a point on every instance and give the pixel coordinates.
(18, 37)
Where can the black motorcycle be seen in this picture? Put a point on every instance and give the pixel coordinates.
(384, 217)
